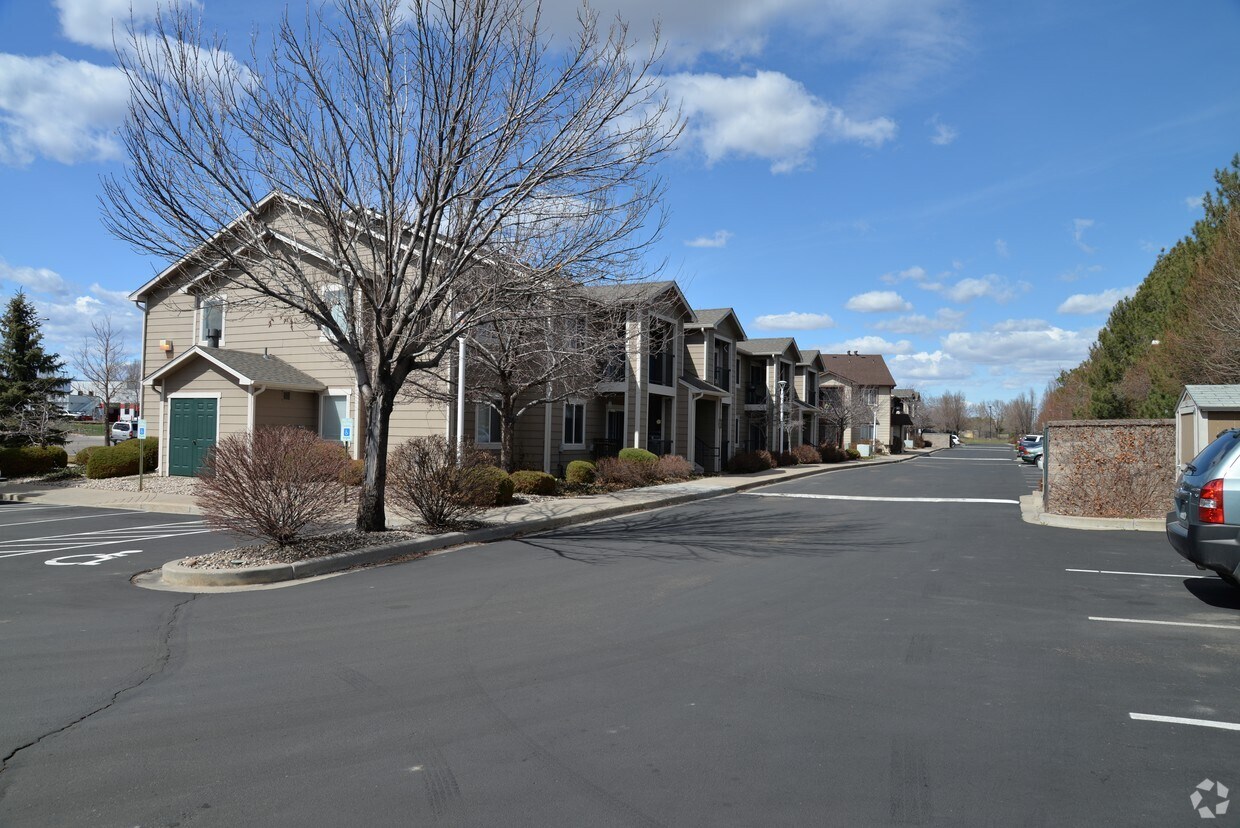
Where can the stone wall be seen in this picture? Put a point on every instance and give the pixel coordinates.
(937, 439)
(1110, 468)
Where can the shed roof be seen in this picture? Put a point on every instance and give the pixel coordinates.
(1214, 396)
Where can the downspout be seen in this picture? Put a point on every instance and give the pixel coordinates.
(250, 415)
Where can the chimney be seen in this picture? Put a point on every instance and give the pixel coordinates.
(213, 338)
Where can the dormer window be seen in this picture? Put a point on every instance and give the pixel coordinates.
(333, 297)
(211, 321)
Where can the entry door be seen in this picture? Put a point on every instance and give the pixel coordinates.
(615, 427)
(191, 433)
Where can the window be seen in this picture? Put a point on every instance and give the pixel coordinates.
(333, 296)
(333, 408)
(211, 320)
(865, 432)
(486, 424)
(869, 395)
(574, 424)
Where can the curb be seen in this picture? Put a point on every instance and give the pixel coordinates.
(174, 574)
(1031, 512)
(160, 507)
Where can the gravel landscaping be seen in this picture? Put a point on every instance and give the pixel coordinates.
(315, 546)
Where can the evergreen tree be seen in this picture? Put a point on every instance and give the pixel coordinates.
(29, 376)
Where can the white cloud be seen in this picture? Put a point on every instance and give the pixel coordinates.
(941, 134)
(1079, 272)
(1034, 344)
(767, 116)
(1095, 302)
(878, 301)
(719, 239)
(794, 321)
(93, 22)
(1079, 226)
(35, 279)
(915, 273)
(869, 345)
(966, 290)
(1194, 202)
(62, 109)
(1001, 247)
(945, 319)
(928, 367)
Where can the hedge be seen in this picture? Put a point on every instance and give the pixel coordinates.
(121, 460)
(27, 460)
(638, 455)
(533, 482)
(83, 456)
(501, 482)
(580, 472)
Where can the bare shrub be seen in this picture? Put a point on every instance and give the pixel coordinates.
(751, 461)
(807, 454)
(786, 458)
(673, 467)
(272, 485)
(617, 473)
(426, 479)
(832, 453)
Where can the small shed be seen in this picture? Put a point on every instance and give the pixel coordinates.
(1204, 411)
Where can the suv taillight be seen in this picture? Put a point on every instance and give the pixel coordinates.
(1210, 504)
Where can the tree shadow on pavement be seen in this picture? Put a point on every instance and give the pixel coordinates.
(1214, 591)
(703, 534)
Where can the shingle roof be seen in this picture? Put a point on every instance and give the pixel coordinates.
(765, 347)
(1214, 396)
(262, 369)
(701, 385)
(860, 369)
(710, 317)
(809, 356)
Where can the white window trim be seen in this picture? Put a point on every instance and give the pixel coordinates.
(479, 409)
(347, 393)
(323, 334)
(582, 444)
(200, 335)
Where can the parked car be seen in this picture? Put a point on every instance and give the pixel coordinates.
(122, 430)
(1204, 526)
(1032, 452)
(955, 441)
(1026, 440)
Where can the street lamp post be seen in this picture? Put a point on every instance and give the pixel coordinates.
(783, 387)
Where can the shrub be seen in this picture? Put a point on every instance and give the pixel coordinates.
(26, 460)
(619, 473)
(67, 473)
(580, 473)
(787, 458)
(121, 460)
(271, 485)
(751, 461)
(533, 482)
(638, 455)
(852, 454)
(83, 456)
(674, 467)
(807, 454)
(832, 453)
(353, 472)
(426, 478)
(495, 485)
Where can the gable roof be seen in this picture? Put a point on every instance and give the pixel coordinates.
(860, 369)
(771, 346)
(715, 318)
(247, 368)
(1214, 396)
(644, 292)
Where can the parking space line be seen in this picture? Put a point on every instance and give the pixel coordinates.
(1150, 717)
(32, 507)
(55, 520)
(886, 499)
(89, 543)
(1145, 574)
(1168, 623)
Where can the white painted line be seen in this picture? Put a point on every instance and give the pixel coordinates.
(1146, 574)
(57, 520)
(1149, 717)
(89, 544)
(970, 459)
(887, 499)
(1168, 623)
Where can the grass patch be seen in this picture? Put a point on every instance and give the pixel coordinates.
(85, 429)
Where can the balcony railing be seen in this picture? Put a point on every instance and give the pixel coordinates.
(615, 369)
(661, 369)
(659, 447)
(605, 448)
(706, 456)
(723, 377)
(755, 395)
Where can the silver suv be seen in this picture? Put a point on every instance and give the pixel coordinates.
(1204, 527)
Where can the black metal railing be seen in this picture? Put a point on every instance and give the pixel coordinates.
(723, 377)
(706, 456)
(755, 395)
(605, 448)
(659, 447)
(661, 368)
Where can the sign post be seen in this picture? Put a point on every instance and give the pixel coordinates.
(141, 448)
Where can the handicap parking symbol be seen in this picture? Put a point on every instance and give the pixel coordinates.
(91, 559)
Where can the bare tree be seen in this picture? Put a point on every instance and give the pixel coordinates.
(412, 143)
(841, 408)
(131, 379)
(549, 349)
(103, 361)
(1020, 413)
(949, 411)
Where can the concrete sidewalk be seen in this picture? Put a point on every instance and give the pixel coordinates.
(504, 523)
(55, 495)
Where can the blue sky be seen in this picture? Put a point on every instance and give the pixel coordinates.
(963, 187)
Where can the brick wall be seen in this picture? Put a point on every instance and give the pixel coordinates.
(1110, 468)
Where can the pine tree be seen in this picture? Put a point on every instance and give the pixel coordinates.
(29, 376)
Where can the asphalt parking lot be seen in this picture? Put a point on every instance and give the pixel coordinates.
(884, 645)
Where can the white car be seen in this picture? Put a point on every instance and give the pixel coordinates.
(122, 430)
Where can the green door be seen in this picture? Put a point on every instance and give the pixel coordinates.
(191, 433)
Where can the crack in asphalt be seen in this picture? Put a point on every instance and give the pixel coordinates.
(161, 662)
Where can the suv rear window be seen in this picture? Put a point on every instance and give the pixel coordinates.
(1214, 452)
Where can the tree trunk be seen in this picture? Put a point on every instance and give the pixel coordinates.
(371, 515)
(507, 439)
